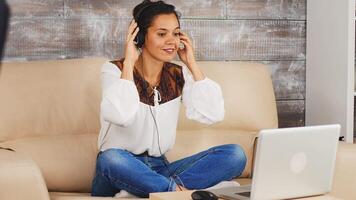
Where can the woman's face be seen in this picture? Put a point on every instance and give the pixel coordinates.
(162, 38)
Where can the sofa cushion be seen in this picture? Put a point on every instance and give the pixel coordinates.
(191, 142)
(20, 178)
(248, 95)
(50, 97)
(67, 162)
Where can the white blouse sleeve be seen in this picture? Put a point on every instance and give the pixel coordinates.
(120, 98)
(203, 99)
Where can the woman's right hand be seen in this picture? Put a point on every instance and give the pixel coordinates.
(131, 51)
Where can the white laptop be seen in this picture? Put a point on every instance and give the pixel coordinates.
(290, 163)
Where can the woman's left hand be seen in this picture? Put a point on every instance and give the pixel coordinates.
(186, 54)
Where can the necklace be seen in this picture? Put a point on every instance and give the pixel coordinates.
(157, 82)
(157, 95)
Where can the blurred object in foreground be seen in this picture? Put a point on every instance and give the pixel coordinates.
(4, 18)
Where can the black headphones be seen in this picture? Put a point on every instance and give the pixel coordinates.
(140, 37)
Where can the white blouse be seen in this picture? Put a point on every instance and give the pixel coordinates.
(129, 124)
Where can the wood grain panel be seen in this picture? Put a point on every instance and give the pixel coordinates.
(288, 79)
(267, 9)
(99, 9)
(212, 9)
(33, 39)
(36, 8)
(40, 39)
(240, 40)
(247, 39)
(291, 113)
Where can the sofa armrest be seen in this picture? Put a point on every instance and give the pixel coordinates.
(20, 178)
(345, 175)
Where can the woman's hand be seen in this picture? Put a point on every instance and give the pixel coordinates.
(131, 51)
(186, 55)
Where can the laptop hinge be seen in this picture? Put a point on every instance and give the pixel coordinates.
(254, 155)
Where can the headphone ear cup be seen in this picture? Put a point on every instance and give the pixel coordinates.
(140, 39)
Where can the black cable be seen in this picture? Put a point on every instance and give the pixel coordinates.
(159, 146)
(158, 136)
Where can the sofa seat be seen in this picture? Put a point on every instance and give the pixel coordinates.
(67, 161)
(82, 196)
(86, 196)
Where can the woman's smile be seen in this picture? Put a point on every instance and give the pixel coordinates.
(169, 50)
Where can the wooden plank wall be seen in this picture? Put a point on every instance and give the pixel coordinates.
(268, 31)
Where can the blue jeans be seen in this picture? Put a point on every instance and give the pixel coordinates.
(118, 169)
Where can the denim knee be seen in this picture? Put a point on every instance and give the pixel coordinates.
(111, 159)
(236, 157)
(123, 171)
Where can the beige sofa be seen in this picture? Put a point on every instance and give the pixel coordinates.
(49, 114)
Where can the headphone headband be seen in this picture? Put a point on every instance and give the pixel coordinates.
(137, 16)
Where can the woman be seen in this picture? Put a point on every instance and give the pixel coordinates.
(142, 94)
